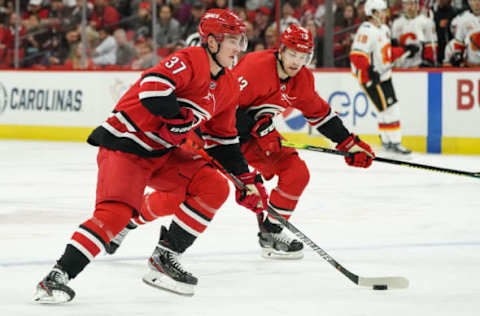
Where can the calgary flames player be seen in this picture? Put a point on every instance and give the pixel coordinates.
(139, 147)
(371, 58)
(270, 82)
(415, 29)
(467, 38)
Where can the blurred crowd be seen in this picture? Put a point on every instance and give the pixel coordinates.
(120, 34)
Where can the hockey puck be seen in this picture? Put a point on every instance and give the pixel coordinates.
(380, 287)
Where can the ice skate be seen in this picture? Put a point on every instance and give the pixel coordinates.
(53, 288)
(166, 272)
(396, 150)
(276, 244)
(113, 245)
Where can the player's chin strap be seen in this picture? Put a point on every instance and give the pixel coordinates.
(214, 55)
(281, 62)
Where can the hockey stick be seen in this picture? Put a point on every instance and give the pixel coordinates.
(376, 283)
(385, 160)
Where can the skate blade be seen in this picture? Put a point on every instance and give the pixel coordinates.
(396, 156)
(57, 297)
(270, 253)
(164, 282)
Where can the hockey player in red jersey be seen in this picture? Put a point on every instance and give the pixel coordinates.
(139, 146)
(271, 81)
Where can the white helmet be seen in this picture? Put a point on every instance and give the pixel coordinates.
(374, 5)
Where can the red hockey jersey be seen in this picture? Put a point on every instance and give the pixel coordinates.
(132, 127)
(262, 91)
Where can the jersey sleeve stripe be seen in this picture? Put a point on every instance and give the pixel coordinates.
(155, 79)
(119, 134)
(361, 53)
(124, 120)
(316, 122)
(155, 94)
(264, 109)
(195, 107)
(160, 76)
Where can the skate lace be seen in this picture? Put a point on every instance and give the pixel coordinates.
(58, 276)
(282, 237)
(173, 260)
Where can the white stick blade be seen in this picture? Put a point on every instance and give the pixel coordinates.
(390, 282)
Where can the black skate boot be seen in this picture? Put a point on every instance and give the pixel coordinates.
(276, 244)
(166, 272)
(53, 288)
(113, 245)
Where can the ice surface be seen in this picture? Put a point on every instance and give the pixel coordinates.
(386, 220)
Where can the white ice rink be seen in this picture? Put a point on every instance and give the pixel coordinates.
(386, 220)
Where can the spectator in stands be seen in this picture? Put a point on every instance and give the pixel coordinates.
(271, 37)
(241, 12)
(317, 61)
(142, 23)
(59, 16)
(253, 5)
(73, 38)
(168, 29)
(7, 40)
(198, 8)
(57, 49)
(35, 41)
(76, 14)
(287, 16)
(396, 9)
(338, 18)
(35, 8)
(106, 52)
(250, 32)
(180, 11)
(259, 46)
(320, 14)
(125, 49)
(220, 4)
(443, 15)
(361, 16)
(262, 18)
(145, 58)
(6, 7)
(104, 15)
(349, 17)
(75, 60)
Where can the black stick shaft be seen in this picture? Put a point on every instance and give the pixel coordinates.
(386, 160)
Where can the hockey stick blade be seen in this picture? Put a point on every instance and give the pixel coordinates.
(391, 282)
(385, 160)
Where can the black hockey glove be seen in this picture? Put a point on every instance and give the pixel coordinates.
(373, 75)
(412, 49)
(456, 59)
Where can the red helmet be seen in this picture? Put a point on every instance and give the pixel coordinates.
(219, 22)
(298, 39)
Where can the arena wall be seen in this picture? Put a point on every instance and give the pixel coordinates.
(440, 110)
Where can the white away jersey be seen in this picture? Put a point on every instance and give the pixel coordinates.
(468, 34)
(375, 43)
(418, 31)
